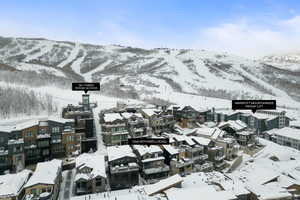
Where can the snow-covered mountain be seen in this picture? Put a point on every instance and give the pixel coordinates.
(151, 72)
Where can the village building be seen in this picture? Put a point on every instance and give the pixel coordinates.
(12, 185)
(137, 125)
(33, 141)
(160, 120)
(90, 174)
(123, 167)
(84, 122)
(152, 163)
(45, 181)
(260, 121)
(114, 129)
(187, 116)
(288, 137)
(191, 155)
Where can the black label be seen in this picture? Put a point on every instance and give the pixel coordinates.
(148, 141)
(253, 105)
(86, 87)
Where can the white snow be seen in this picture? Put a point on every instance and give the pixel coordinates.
(142, 150)
(94, 161)
(288, 132)
(110, 117)
(117, 152)
(170, 149)
(45, 173)
(71, 57)
(163, 184)
(12, 184)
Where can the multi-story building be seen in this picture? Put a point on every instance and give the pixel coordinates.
(260, 121)
(217, 155)
(84, 122)
(152, 163)
(45, 181)
(160, 120)
(191, 154)
(12, 185)
(137, 125)
(90, 174)
(288, 137)
(33, 141)
(123, 167)
(114, 129)
(230, 147)
(187, 116)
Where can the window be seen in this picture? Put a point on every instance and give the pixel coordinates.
(98, 181)
(29, 134)
(55, 129)
(34, 191)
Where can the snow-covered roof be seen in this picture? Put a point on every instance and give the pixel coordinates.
(185, 131)
(170, 149)
(202, 141)
(127, 115)
(163, 185)
(237, 125)
(11, 184)
(212, 133)
(150, 111)
(142, 149)
(59, 119)
(27, 124)
(288, 132)
(203, 193)
(266, 192)
(135, 193)
(116, 152)
(295, 123)
(94, 161)
(45, 173)
(110, 117)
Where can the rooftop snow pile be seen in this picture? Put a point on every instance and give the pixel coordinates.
(163, 185)
(236, 125)
(94, 161)
(110, 117)
(45, 173)
(142, 150)
(11, 184)
(116, 152)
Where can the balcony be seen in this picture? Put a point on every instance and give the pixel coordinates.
(220, 165)
(205, 166)
(180, 164)
(155, 170)
(219, 158)
(131, 167)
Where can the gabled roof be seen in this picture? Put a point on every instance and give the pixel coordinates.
(171, 150)
(110, 117)
(45, 173)
(236, 125)
(117, 152)
(202, 141)
(163, 185)
(11, 184)
(94, 161)
(142, 150)
(150, 111)
(288, 132)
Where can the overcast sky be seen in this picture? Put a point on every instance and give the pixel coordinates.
(251, 28)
